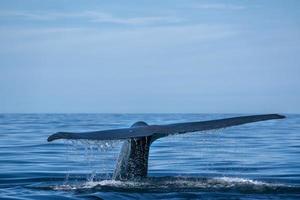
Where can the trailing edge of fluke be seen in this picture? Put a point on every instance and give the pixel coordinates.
(133, 158)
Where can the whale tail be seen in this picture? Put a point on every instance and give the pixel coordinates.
(133, 158)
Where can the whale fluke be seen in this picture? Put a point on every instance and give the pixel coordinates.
(162, 130)
(133, 158)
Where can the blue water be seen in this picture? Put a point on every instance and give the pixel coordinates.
(253, 161)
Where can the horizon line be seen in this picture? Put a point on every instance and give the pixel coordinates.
(148, 113)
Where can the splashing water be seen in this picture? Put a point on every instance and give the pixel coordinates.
(89, 152)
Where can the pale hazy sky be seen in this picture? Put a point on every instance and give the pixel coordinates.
(218, 56)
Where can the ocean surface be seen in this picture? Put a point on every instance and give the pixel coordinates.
(253, 161)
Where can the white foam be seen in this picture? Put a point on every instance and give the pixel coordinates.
(91, 184)
(240, 180)
(177, 183)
